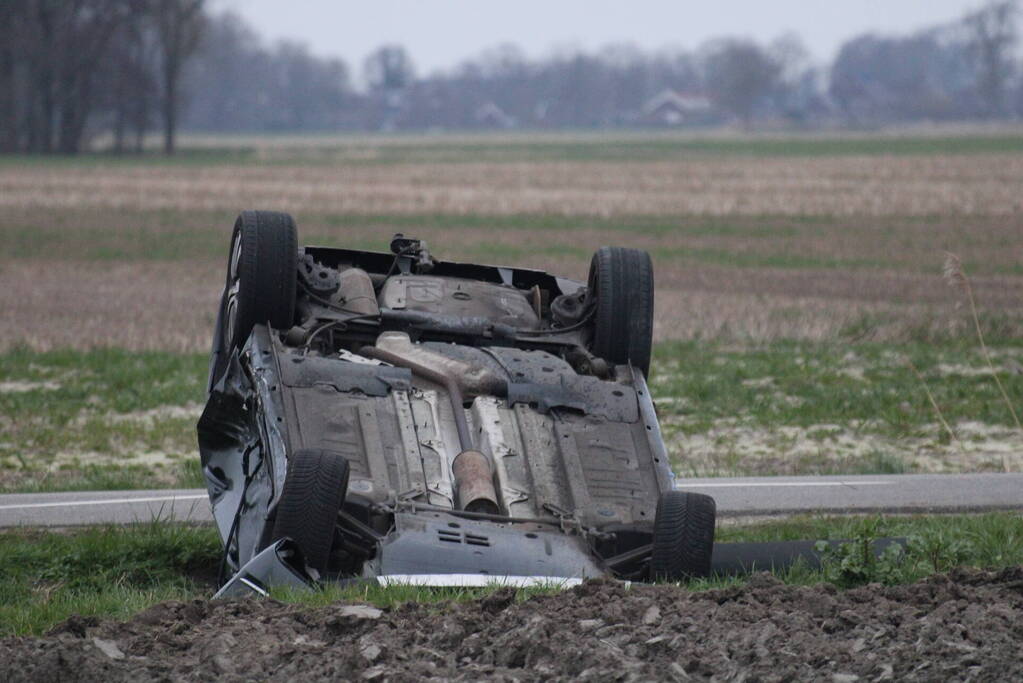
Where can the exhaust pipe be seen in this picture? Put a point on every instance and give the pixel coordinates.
(474, 479)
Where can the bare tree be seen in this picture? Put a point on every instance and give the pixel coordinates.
(389, 74)
(306, 92)
(179, 26)
(739, 74)
(9, 49)
(791, 56)
(230, 78)
(992, 37)
(69, 68)
(91, 25)
(129, 79)
(389, 68)
(41, 38)
(62, 62)
(878, 79)
(51, 54)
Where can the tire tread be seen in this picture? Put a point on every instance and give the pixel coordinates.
(314, 490)
(683, 536)
(624, 287)
(268, 269)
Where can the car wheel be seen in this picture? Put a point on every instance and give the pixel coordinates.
(621, 282)
(314, 490)
(683, 536)
(261, 275)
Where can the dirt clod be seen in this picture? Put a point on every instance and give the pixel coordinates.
(109, 648)
(964, 625)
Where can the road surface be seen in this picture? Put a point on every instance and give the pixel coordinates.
(736, 498)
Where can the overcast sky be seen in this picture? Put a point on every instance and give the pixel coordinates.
(440, 33)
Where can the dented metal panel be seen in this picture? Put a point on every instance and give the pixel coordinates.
(499, 439)
(546, 471)
(438, 441)
(459, 297)
(408, 481)
(375, 435)
(372, 380)
(437, 543)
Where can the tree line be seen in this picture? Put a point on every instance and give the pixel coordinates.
(68, 67)
(74, 70)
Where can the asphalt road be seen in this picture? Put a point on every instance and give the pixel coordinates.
(736, 498)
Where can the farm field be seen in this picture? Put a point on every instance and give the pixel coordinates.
(803, 321)
(807, 323)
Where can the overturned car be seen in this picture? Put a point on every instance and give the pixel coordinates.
(393, 416)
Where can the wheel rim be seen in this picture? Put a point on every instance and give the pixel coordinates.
(233, 287)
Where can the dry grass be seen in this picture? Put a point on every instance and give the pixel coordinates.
(171, 305)
(911, 245)
(302, 142)
(954, 272)
(961, 185)
(134, 306)
(130, 255)
(730, 449)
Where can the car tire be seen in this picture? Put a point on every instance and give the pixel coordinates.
(314, 490)
(262, 273)
(683, 536)
(621, 282)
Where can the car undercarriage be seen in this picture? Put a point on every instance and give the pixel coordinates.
(394, 415)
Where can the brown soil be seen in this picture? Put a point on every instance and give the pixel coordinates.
(964, 626)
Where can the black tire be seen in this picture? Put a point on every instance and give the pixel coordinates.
(683, 536)
(262, 273)
(622, 283)
(314, 490)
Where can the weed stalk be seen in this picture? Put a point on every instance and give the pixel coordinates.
(934, 404)
(956, 277)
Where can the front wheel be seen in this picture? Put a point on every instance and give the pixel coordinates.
(314, 491)
(683, 536)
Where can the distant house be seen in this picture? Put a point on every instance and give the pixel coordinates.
(490, 115)
(670, 108)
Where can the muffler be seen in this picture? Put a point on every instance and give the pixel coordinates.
(475, 483)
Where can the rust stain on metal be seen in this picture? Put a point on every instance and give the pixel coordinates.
(475, 481)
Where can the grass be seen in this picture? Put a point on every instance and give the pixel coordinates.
(98, 419)
(535, 147)
(836, 408)
(104, 571)
(789, 383)
(105, 477)
(748, 242)
(935, 544)
(997, 537)
(673, 148)
(115, 419)
(115, 572)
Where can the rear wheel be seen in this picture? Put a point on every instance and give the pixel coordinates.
(621, 282)
(261, 275)
(683, 536)
(314, 490)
